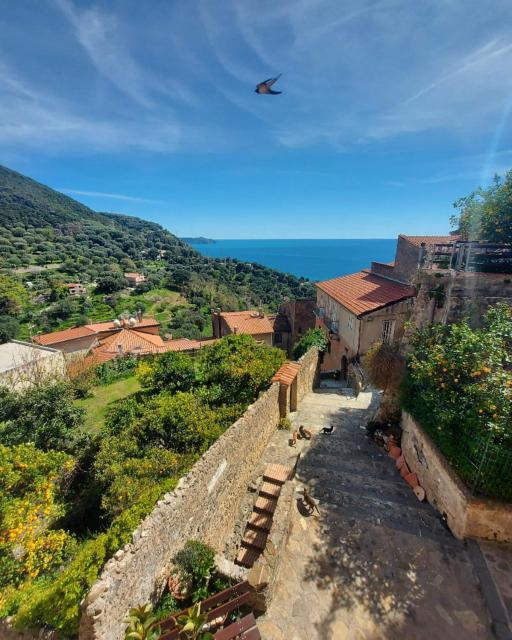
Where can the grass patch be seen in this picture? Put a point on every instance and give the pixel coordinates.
(103, 396)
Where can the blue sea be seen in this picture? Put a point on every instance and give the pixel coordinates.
(313, 259)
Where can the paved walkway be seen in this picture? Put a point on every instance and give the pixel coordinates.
(376, 564)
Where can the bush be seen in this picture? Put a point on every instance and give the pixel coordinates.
(196, 560)
(116, 369)
(284, 424)
(47, 416)
(312, 338)
(240, 366)
(170, 371)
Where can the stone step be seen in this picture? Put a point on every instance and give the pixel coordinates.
(277, 473)
(268, 505)
(383, 469)
(247, 556)
(261, 521)
(254, 538)
(270, 489)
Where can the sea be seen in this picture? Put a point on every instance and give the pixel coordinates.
(312, 259)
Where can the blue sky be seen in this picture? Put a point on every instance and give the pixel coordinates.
(390, 111)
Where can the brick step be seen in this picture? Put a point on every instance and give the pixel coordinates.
(270, 489)
(268, 505)
(277, 473)
(247, 556)
(261, 521)
(253, 538)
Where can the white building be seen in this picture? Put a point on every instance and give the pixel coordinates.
(23, 364)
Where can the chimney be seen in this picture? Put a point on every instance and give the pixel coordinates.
(120, 348)
(235, 330)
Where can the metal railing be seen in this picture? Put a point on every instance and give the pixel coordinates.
(468, 256)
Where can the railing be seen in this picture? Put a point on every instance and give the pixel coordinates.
(468, 256)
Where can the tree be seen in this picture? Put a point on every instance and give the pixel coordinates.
(486, 214)
(9, 328)
(170, 371)
(45, 415)
(110, 282)
(312, 338)
(13, 296)
(239, 366)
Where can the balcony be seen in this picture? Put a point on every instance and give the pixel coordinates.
(333, 326)
(319, 312)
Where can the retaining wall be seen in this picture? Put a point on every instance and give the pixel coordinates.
(203, 506)
(467, 516)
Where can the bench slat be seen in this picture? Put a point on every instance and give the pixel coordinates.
(237, 628)
(210, 603)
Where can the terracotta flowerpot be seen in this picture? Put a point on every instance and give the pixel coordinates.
(412, 480)
(400, 462)
(395, 452)
(390, 442)
(405, 471)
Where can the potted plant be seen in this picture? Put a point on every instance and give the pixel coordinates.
(193, 624)
(142, 624)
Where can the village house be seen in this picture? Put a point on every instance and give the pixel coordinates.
(75, 289)
(134, 278)
(282, 329)
(372, 305)
(80, 340)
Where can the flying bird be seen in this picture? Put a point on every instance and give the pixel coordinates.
(266, 86)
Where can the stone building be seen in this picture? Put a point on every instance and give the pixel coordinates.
(134, 278)
(300, 314)
(76, 289)
(358, 310)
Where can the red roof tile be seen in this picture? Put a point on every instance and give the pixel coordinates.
(287, 373)
(248, 322)
(364, 292)
(419, 240)
(110, 326)
(62, 336)
(129, 341)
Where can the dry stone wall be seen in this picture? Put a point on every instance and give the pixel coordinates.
(203, 506)
(467, 517)
(307, 376)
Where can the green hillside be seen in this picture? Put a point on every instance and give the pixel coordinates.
(40, 227)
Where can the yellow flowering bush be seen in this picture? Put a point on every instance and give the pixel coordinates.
(30, 487)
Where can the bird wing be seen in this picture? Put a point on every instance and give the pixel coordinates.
(271, 81)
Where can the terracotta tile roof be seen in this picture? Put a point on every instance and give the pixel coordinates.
(109, 325)
(287, 373)
(418, 240)
(186, 344)
(132, 274)
(248, 322)
(129, 341)
(62, 336)
(364, 292)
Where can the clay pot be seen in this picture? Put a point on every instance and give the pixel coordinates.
(419, 492)
(395, 452)
(412, 480)
(179, 585)
(405, 471)
(400, 462)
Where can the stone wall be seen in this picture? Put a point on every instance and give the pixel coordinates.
(308, 374)
(204, 506)
(447, 296)
(467, 517)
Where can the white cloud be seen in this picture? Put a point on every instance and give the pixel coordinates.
(112, 196)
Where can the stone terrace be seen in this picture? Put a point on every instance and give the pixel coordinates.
(376, 564)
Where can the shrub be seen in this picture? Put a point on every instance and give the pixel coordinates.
(284, 424)
(198, 561)
(116, 369)
(312, 338)
(240, 366)
(170, 371)
(47, 416)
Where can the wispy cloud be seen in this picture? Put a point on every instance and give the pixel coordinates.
(111, 196)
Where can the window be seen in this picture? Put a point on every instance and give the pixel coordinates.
(350, 322)
(278, 338)
(388, 328)
(300, 330)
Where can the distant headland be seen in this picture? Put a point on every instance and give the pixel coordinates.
(199, 240)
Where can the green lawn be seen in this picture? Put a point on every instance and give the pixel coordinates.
(102, 398)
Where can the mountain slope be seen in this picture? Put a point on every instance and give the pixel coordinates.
(41, 226)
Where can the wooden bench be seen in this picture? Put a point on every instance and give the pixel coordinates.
(245, 629)
(218, 606)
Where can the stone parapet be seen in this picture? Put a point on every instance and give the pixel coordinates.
(466, 515)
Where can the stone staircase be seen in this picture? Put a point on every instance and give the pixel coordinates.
(260, 520)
